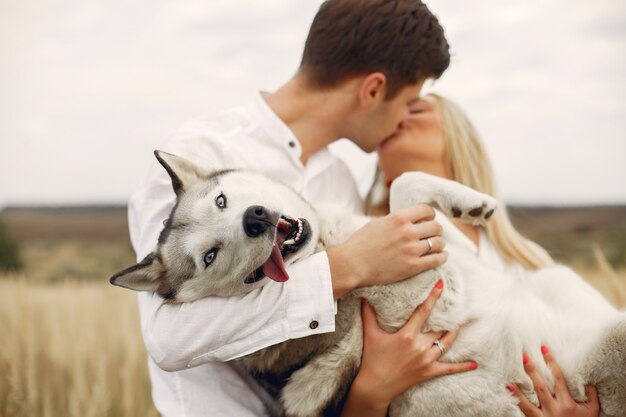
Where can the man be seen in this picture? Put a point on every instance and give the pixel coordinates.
(363, 65)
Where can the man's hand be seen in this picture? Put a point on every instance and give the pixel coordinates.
(557, 404)
(388, 249)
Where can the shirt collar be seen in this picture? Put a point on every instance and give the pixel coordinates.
(280, 134)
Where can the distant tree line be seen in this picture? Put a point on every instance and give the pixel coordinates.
(9, 251)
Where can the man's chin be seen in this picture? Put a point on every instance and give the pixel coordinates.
(385, 141)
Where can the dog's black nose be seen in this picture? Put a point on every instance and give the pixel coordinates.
(256, 221)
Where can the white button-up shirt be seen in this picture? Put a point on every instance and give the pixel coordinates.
(189, 343)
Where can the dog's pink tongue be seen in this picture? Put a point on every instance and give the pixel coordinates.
(274, 267)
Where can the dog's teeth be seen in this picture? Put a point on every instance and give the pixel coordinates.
(289, 242)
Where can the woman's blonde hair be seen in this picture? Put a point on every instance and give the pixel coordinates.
(469, 164)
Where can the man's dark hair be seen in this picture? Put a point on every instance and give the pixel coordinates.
(400, 38)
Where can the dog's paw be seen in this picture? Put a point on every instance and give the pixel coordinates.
(470, 206)
(455, 199)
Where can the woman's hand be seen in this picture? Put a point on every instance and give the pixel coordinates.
(394, 362)
(559, 403)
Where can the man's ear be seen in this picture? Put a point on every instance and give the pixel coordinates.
(373, 89)
(183, 173)
(144, 276)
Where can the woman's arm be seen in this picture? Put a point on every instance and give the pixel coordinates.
(557, 404)
(394, 362)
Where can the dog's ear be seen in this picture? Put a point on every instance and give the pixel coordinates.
(144, 276)
(183, 173)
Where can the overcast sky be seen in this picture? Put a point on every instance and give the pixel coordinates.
(89, 88)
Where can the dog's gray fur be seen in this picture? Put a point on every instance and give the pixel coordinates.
(503, 315)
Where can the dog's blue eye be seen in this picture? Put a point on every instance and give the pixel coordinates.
(220, 200)
(209, 257)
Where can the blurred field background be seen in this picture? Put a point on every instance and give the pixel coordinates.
(71, 344)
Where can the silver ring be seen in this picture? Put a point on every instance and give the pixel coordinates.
(430, 245)
(440, 345)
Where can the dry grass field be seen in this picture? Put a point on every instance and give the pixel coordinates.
(71, 349)
(70, 344)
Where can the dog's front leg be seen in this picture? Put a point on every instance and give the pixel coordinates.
(452, 198)
(325, 380)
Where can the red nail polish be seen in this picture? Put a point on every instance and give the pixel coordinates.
(439, 284)
(473, 366)
(511, 388)
(525, 359)
(544, 350)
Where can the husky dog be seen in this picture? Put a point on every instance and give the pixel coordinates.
(232, 229)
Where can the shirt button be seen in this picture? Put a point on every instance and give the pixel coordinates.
(292, 144)
(313, 325)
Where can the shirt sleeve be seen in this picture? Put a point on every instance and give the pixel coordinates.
(179, 336)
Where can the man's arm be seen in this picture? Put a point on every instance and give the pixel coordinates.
(216, 328)
(179, 336)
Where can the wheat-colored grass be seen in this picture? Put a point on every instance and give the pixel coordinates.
(609, 281)
(71, 350)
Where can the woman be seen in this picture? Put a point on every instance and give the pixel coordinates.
(438, 138)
